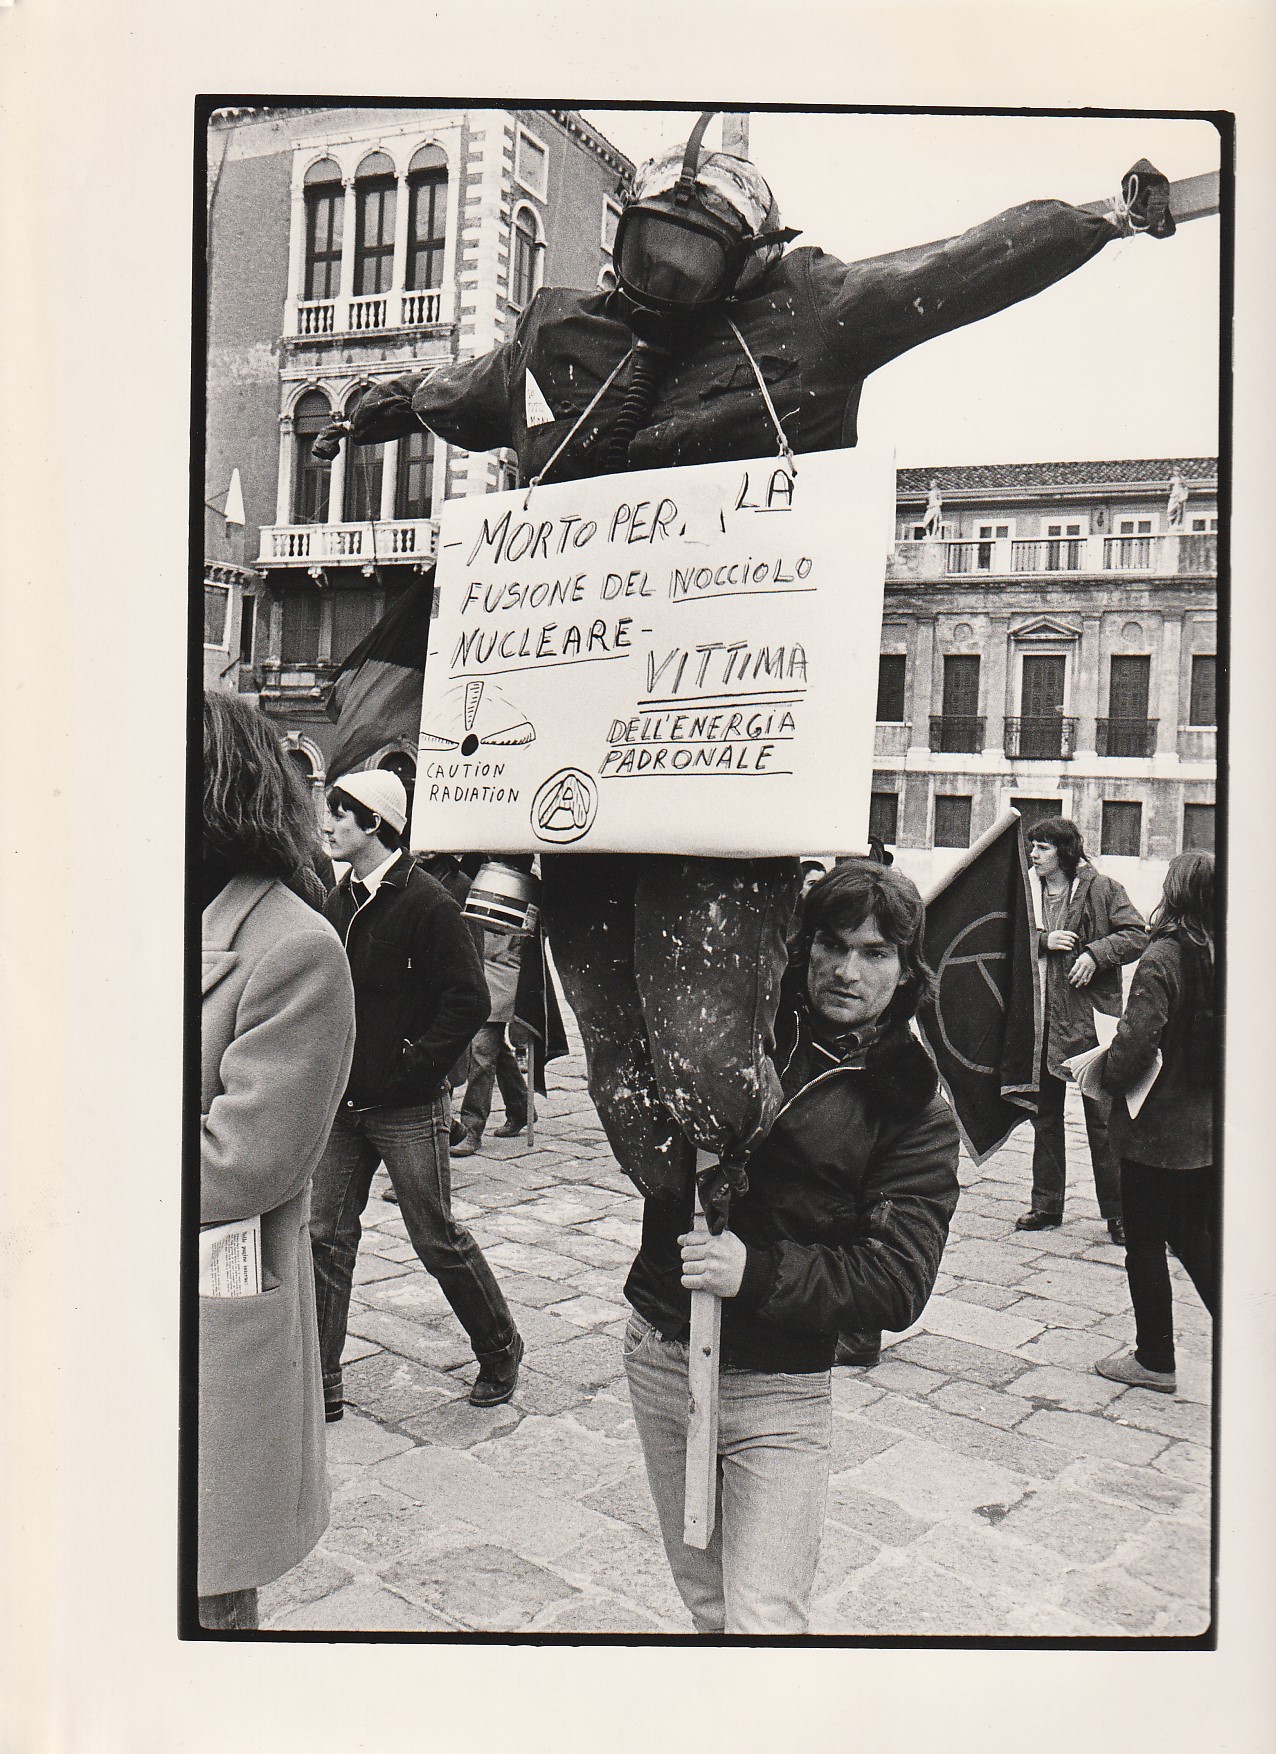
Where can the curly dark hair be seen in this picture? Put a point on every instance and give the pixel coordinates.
(856, 890)
(257, 815)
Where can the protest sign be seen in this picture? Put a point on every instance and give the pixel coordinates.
(675, 660)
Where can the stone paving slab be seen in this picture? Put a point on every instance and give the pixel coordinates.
(984, 1480)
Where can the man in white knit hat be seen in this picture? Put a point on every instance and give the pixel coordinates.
(419, 997)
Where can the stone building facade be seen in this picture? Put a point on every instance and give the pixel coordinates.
(1050, 641)
(346, 246)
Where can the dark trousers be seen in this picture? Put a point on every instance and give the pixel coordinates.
(492, 1058)
(413, 1144)
(1049, 1161)
(672, 966)
(1177, 1208)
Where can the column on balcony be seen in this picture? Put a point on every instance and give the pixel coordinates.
(1086, 685)
(996, 684)
(389, 480)
(337, 485)
(296, 255)
(349, 234)
(283, 492)
(1167, 707)
(398, 274)
(921, 692)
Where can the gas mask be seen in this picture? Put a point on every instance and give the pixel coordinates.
(693, 229)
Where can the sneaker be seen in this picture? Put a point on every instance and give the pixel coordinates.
(466, 1146)
(498, 1379)
(1124, 1367)
(333, 1405)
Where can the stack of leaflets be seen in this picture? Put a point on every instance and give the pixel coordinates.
(1086, 1070)
(230, 1259)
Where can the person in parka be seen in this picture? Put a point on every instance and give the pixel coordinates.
(715, 344)
(1087, 928)
(842, 1228)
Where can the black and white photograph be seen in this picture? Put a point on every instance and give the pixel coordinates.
(718, 1201)
(765, 1303)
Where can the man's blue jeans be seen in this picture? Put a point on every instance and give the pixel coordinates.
(413, 1144)
(672, 966)
(774, 1434)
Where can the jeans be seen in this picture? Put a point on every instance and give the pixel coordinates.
(774, 1434)
(413, 1144)
(673, 966)
(235, 1611)
(491, 1056)
(1049, 1161)
(1178, 1207)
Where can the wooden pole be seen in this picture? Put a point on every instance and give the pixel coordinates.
(735, 133)
(700, 1501)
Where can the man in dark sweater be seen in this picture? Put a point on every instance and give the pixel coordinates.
(419, 997)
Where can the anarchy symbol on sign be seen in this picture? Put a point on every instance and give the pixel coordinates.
(980, 959)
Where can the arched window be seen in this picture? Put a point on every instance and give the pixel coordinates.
(375, 190)
(414, 489)
(325, 210)
(310, 476)
(365, 465)
(427, 219)
(525, 268)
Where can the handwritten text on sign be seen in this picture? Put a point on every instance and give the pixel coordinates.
(680, 660)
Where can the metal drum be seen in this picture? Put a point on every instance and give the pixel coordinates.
(504, 899)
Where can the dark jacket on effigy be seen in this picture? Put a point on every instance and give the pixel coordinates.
(847, 1213)
(1170, 1008)
(815, 325)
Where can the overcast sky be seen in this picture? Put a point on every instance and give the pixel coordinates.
(1118, 360)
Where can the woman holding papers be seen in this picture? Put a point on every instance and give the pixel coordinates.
(277, 1032)
(1169, 1188)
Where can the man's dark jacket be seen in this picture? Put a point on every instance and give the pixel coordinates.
(815, 325)
(847, 1213)
(419, 991)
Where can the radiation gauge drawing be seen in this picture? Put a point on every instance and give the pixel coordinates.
(474, 715)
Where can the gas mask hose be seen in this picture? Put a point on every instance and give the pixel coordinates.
(640, 395)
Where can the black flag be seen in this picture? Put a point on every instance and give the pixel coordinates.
(376, 694)
(984, 1024)
(536, 1009)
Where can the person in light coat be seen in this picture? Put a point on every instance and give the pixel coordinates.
(276, 1039)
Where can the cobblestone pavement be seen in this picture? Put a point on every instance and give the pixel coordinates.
(985, 1482)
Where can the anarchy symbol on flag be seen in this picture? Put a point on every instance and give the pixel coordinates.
(980, 959)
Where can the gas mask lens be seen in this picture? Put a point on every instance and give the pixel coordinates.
(663, 260)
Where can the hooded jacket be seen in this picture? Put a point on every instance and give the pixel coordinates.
(815, 325)
(1112, 929)
(846, 1216)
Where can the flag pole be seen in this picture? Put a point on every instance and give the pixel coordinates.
(968, 858)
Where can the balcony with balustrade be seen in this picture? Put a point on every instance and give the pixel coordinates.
(1009, 560)
(1043, 737)
(318, 318)
(956, 734)
(394, 541)
(1126, 737)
